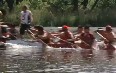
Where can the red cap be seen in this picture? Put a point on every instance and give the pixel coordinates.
(65, 27)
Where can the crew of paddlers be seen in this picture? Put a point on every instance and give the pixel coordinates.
(63, 38)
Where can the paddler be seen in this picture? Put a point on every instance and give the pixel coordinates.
(79, 31)
(110, 38)
(87, 38)
(109, 34)
(63, 39)
(66, 34)
(42, 34)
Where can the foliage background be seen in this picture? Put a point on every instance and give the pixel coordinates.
(60, 12)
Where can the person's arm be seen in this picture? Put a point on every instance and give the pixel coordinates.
(44, 36)
(21, 18)
(72, 36)
(31, 16)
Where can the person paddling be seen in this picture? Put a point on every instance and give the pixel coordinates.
(42, 34)
(108, 36)
(79, 31)
(66, 34)
(87, 38)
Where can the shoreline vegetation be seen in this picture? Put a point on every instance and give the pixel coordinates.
(55, 13)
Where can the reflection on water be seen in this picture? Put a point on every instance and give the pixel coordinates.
(33, 60)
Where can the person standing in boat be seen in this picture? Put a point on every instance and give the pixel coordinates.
(87, 38)
(26, 20)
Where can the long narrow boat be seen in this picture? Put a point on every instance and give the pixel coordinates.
(33, 44)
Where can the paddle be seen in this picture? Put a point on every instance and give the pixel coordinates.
(72, 44)
(86, 44)
(32, 34)
(66, 41)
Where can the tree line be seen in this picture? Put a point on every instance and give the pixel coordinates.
(70, 7)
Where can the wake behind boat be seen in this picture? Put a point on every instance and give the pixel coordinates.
(28, 43)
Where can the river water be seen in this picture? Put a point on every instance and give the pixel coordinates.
(24, 59)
